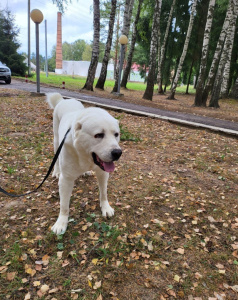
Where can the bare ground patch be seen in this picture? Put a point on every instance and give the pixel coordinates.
(174, 234)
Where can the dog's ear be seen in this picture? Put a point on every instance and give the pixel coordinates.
(77, 126)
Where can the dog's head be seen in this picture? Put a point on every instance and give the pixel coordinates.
(97, 133)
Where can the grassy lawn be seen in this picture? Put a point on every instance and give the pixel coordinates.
(174, 233)
(77, 82)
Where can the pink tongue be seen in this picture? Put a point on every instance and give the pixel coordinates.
(109, 166)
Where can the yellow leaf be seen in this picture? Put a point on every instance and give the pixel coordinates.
(30, 271)
(33, 252)
(84, 227)
(90, 284)
(36, 283)
(94, 261)
(176, 278)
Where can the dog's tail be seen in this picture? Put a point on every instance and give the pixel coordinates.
(53, 99)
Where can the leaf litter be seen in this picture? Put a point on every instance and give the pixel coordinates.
(174, 233)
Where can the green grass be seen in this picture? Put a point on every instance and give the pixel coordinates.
(77, 82)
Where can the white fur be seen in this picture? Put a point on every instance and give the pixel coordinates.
(76, 155)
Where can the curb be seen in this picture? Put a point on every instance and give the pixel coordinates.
(156, 116)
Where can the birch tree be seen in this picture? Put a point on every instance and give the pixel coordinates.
(103, 73)
(226, 73)
(95, 52)
(203, 63)
(148, 94)
(132, 48)
(125, 31)
(217, 54)
(234, 90)
(224, 58)
(185, 48)
(161, 55)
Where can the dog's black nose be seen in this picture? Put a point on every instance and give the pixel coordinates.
(116, 153)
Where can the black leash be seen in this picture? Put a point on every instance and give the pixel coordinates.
(48, 173)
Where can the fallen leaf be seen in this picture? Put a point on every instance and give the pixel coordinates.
(36, 283)
(90, 284)
(11, 276)
(94, 261)
(59, 254)
(234, 288)
(3, 269)
(27, 296)
(97, 285)
(211, 219)
(30, 271)
(177, 278)
(45, 260)
(53, 290)
(171, 221)
(234, 246)
(220, 266)
(180, 250)
(44, 288)
(76, 291)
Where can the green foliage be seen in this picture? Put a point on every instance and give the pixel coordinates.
(87, 54)
(9, 44)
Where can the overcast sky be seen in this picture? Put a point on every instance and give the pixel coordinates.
(77, 22)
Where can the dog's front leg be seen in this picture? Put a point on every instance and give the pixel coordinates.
(102, 178)
(65, 191)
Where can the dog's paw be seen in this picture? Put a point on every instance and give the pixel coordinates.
(107, 210)
(61, 225)
(88, 173)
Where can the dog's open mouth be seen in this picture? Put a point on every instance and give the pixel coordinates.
(105, 166)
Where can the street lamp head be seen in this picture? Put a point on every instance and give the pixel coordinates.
(123, 40)
(37, 16)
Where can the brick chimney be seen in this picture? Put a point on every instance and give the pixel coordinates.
(59, 63)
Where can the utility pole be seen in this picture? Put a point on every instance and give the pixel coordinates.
(46, 58)
(29, 38)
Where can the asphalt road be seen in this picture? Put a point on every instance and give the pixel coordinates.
(213, 124)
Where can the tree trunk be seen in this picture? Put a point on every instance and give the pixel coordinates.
(103, 73)
(116, 44)
(125, 31)
(224, 58)
(189, 77)
(234, 90)
(226, 74)
(217, 54)
(95, 52)
(161, 55)
(203, 63)
(185, 49)
(131, 52)
(148, 94)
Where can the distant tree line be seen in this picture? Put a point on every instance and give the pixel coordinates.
(9, 44)
(173, 42)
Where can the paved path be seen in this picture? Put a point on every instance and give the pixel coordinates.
(224, 126)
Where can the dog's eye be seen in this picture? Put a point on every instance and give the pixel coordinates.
(116, 134)
(99, 136)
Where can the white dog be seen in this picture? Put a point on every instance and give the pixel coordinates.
(92, 144)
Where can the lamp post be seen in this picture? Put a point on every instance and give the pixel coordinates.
(37, 17)
(123, 40)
